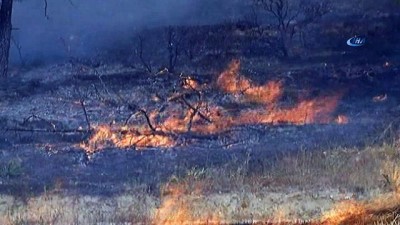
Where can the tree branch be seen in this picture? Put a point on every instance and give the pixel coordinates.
(140, 53)
(45, 9)
(46, 131)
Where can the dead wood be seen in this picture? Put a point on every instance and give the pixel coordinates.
(46, 130)
(141, 57)
(195, 109)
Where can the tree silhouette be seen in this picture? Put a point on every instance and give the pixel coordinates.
(5, 34)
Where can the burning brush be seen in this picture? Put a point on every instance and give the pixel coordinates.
(189, 111)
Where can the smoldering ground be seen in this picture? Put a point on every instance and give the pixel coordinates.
(72, 28)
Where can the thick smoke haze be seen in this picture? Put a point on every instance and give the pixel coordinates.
(84, 27)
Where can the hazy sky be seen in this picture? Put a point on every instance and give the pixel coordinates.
(88, 25)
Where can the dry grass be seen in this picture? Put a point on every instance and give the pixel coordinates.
(341, 186)
(359, 170)
(56, 209)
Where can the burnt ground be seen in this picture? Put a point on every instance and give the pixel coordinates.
(40, 111)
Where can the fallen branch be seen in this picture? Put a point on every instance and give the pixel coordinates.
(195, 109)
(46, 131)
(144, 113)
(135, 109)
(85, 112)
(33, 116)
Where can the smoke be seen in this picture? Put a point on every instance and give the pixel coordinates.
(83, 27)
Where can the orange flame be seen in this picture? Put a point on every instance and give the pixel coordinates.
(344, 211)
(231, 82)
(318, 110)
(173, 209)
(190, 83)
(384, 207)
(122, 138)
(309, 111)
(176, 208)
(342, 119)
(209, 118)
(266, 94)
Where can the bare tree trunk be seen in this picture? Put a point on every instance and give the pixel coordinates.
(5, 34)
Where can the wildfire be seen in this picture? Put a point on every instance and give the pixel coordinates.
(231, 82)
(206, 117)
(318, 110)
(173, 209)
(176, 208)
(190, 83)
(342, 119)
(383, 208)
(105, 137)
(309, 111)
(343, 212)
(266, 94)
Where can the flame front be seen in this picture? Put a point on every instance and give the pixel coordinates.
(345, 212)
(231, 82)
(104, 136)
(173, 209)
(382, 208)
(205, 117)
(318, 110)
(176, 208)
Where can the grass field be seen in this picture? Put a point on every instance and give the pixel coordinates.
(335, 186)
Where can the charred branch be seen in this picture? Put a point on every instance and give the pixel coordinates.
(36, 117)
(82, 102)
(144, 113)
(135, 109)
(173, 46)
(46, 130)
(139, 51)
(195, 109)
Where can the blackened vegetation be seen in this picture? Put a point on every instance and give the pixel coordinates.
(173, 48)
(289, 28)
(293, 17)
(139, 52)
(205, 47)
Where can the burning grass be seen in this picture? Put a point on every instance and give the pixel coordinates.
(185, 113)
(175, 208)
(122, 138)
(305, 188)
(384, 209)
(344, 168)
(230, 81)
